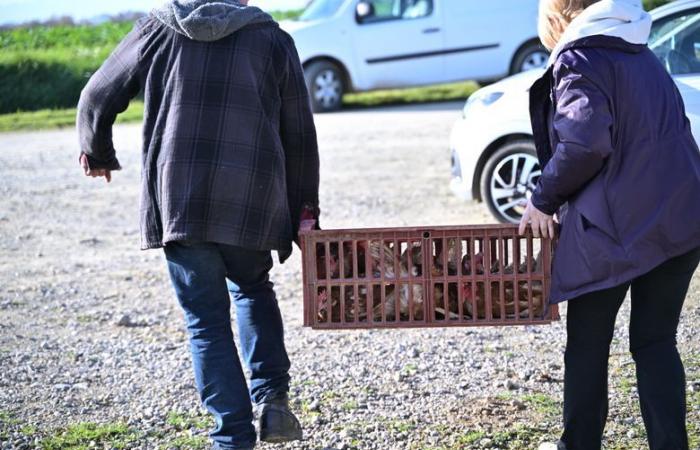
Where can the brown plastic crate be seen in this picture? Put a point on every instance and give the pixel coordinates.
(350, 277)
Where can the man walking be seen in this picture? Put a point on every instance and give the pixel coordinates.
(230, 161)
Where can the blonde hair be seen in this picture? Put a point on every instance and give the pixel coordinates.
(556, 15)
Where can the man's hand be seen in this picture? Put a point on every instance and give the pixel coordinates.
(542, 224)
(94, 173)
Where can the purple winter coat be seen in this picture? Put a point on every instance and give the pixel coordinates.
(620, 164)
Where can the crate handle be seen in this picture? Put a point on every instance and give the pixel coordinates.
(307, 226)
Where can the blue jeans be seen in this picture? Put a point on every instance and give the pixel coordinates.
(203, 275)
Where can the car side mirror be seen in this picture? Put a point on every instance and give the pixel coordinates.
(364, 11)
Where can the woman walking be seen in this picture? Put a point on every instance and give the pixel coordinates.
(622, 170)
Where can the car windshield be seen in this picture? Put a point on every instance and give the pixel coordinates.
(321, 9)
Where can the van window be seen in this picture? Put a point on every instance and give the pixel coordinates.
(383, 10)
(320, 9)
(676, 41)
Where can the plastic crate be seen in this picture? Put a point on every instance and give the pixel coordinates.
(447, 276)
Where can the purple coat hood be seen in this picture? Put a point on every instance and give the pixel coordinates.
(619, 164)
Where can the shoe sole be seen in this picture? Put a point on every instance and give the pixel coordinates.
(280, 439)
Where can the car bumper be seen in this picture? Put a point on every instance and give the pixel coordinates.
(458, 185)
(471, 136)
(465, 149)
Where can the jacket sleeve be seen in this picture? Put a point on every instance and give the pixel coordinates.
(583, 123)
(298, 135)
(108, 93)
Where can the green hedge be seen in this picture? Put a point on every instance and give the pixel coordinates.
(651, 4)
(41, 79)
(46, 67)
(64, 36)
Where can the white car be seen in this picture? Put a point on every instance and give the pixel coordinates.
(493, 153)
(362, 45)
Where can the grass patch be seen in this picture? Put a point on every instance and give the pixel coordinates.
(28, 430)
(425, 94)
(520, 437)
(350, 405)
(401, 426)
(48, 119)
(505, 395)
(84, 318)
(181, 421)
(187, 443)
(694, 419)
(7, 418)
(627, 384)
(329, 395)
(305, 407)
(470, 437)
(543, 404)
(408, 370)
(81, 436)
(517, 438)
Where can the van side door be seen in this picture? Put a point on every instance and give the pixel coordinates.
(481, 38)
(398, 44)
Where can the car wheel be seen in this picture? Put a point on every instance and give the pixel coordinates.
(531, 56)
(508, 180)
(325, 83)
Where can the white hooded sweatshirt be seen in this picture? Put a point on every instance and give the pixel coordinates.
(625, 19)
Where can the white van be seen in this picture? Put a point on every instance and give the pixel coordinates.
(362, 45)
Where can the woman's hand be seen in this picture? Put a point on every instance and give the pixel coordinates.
(542, 224)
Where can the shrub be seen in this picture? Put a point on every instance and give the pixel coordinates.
(63, 36)
(651, 4)
(45, 79)
(46, 67)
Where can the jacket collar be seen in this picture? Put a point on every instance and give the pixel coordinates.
(602, 41)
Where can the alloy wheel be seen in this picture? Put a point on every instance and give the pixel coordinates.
(535, 60)
(327, 88)
(512, 183)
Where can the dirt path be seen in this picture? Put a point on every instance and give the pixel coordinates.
(90, 332)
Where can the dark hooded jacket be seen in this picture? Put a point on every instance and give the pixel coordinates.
(616, 146)
(229, 145)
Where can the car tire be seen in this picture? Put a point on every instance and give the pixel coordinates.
(324, 81)
(506, 197)
(532, 55)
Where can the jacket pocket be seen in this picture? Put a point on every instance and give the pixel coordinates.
(585, 253)
(592, 206)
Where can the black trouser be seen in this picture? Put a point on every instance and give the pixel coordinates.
(657, 301)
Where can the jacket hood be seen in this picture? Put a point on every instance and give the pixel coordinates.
(209, 20)
(624, 19)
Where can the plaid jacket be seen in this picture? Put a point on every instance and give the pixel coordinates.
(229, 143)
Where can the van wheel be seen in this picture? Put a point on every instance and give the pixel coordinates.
(531, 56)
(325, 83)
(509, 179)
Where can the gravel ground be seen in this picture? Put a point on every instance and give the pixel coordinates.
(93, 352)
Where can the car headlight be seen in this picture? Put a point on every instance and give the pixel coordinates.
(481, 99)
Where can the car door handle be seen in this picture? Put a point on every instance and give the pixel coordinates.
(431, 30)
